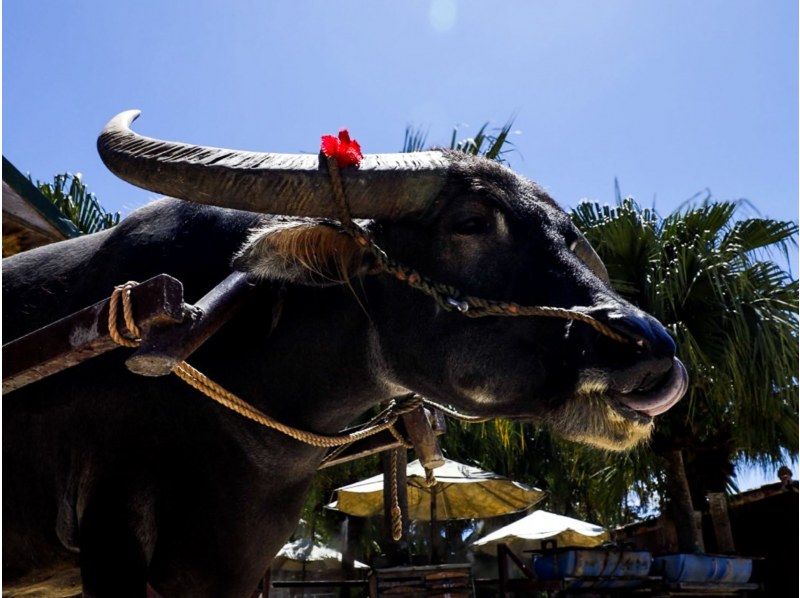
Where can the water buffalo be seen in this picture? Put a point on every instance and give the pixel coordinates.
(142, 481)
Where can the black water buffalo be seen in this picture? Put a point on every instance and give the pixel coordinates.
(142, 481)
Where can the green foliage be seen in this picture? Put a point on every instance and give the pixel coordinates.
(326, 523)
(709, 278)
(68, 193)
(493, 145)
(580, 482)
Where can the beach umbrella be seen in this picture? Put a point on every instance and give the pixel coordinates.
(461, 492)
(304, 555)
(529, 532)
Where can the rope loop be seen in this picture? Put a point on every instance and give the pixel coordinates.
(133, 336)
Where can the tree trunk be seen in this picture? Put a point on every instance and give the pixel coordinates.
(718, 508)
(680, 499)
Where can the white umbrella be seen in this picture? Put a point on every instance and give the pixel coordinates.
(302, 554)
(529, 532)
(461, 492)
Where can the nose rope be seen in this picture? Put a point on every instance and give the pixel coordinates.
(446, 296)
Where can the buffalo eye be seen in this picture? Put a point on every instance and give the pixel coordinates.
(472, 225)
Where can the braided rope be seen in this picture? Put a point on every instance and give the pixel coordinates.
(446, 296)
(217, 393)
(396, 512)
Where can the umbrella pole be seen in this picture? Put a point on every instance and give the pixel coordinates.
(434, 528)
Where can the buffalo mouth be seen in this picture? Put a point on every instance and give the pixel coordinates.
(617, 419)
(644, 403)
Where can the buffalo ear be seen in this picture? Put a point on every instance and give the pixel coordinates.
(303, 252)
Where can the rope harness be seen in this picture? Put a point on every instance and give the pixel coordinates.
(447, 297)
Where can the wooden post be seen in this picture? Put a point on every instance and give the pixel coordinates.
(718, 508)
(502, 570)
(434, 528)
(395, 550)
(352, 527)
(163, 348)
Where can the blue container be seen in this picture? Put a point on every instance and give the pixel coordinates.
(703, 568)
(595, 567)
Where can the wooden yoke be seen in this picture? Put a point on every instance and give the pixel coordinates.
(171, 331)
(164, 347)
(73, 339)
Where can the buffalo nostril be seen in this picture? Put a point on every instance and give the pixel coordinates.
(645, 331)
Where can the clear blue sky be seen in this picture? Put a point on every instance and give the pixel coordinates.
(670, 97)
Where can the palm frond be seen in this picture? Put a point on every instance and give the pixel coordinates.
(68, 193)
(414, 140)
(491, 144)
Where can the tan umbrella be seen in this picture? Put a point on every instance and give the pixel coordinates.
(303, 555)
(529, 532)
(461, 492)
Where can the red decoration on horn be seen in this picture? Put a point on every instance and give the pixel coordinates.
(346, 151)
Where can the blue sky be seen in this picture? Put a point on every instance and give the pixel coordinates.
(670, 97)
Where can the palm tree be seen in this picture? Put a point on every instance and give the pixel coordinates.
(68, 193)
(710, 278)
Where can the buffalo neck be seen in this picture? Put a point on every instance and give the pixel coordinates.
(306, 356)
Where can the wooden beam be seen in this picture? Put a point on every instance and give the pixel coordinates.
(84, 334)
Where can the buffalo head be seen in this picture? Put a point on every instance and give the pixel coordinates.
(463, 221)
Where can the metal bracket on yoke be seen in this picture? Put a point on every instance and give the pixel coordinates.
(163, 347)
(422, 426)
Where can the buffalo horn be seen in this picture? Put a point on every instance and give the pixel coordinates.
(384, 186)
